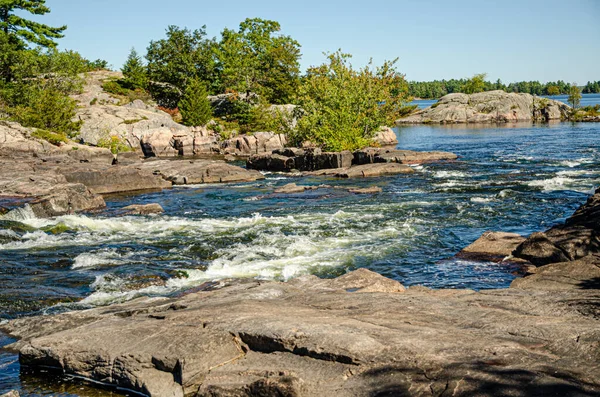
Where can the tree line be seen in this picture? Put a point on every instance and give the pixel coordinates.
(438, 88)
(342, 107)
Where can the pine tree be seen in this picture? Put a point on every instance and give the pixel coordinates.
(194, 106)
(17, 32)
(135, 71)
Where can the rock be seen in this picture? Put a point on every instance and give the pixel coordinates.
(492, 246)
(357, 335)
(374, 155)
(257, 143)
(143, 209)
(290, 188)
(66, 199)
(539, 250)
(580, 274)
(386, 137)
(187, 172)
(370, 170)
(487, 107)
(576, 238)
(366, 190)
(12, 393)
(115, 179)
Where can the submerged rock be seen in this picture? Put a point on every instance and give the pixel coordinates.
(487, 107)
(143, 209)
(12, 393)
(359, 334)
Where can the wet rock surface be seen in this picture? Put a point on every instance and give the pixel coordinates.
(492, 246)
(358, 335)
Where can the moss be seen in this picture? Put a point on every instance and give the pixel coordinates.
(52, 137)
(93, 101)
(59, 228)
(17, 227)
(133, 121)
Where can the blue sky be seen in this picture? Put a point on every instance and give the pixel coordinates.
(512, 40)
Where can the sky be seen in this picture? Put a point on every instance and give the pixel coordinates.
(513, 40)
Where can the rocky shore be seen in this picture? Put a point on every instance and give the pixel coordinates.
(360, 334)
(489, 107)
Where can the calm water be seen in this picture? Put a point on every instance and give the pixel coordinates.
(586, 100)
(520, 179)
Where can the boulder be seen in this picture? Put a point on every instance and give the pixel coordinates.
(487, 107)
(576, 238)
(385, 137)
(358, 335)
(143, 209)
(66, 199)
(291, 188)
(257, 143)
(366, 190)
(492, 247)
(187, 172)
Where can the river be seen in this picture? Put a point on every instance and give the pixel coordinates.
(514, 178)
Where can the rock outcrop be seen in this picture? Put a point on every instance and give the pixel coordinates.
(143, 209)
(489, 107)
(577, 238)
(187, 172)
(258, 142)
(492, 247)
(357, 335)
(313, 159)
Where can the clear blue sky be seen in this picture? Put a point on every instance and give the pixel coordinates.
(509, 39)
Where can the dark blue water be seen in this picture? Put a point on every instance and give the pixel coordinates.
(521, 179)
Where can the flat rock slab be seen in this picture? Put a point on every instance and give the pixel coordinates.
(188, 172)
(580, 274)
(358, 335)
(492, 246)
(379, 155)
(364, 171)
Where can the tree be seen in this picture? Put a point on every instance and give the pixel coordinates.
(574, 96)
(17, 32)
(134, 71)
(474, 84)
(553, 90)
(194, 106)
(343, 108)
(173, 62)
(257, 59)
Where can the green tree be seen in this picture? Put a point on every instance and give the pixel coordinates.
(474, 84)
(553, 90)
(16, 32)
(343, 108)
(173, 62)
(574, 96)
(194, 106)
(258, 59)
(134, 71)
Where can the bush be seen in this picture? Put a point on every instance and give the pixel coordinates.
(115, 144)
(120, 89)
(53, 138)
(194, 106)
(47, 108)
(344, 108)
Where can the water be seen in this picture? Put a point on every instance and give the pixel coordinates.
(586, 100)
(514, 178)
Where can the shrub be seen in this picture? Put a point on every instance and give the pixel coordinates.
(115, 144)
(53, 138)
(46, 108)
(194, 106)
(343, 108)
